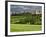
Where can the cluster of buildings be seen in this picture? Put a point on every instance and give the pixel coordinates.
(32, 12)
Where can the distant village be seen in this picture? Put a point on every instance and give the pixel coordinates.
(32, 12)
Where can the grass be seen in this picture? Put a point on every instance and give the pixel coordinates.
(24, 27)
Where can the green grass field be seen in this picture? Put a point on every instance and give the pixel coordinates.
(25, 22)
(24, 27)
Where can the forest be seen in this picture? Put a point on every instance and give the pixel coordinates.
(26, 18)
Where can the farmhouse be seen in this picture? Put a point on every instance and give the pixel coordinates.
(36, 12)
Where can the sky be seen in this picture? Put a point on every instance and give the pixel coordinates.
(19, 8)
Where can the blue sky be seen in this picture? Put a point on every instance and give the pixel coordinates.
(19, 8)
